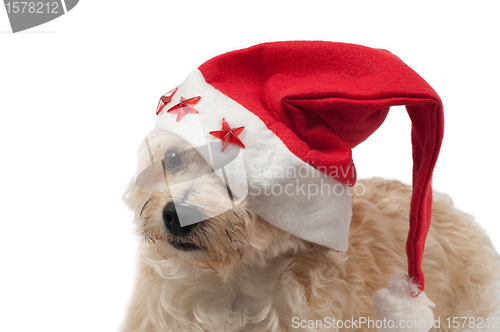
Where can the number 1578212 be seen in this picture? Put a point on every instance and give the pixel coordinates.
(15, 7)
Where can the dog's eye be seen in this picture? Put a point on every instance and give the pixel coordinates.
(172, 161)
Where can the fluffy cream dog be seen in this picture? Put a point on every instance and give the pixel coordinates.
(236, 272)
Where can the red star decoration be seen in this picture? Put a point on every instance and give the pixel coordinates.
(185, 107)
(164, 100)
(228, 135)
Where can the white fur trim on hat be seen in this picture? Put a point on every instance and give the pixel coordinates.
(402, 311)
(319, 218)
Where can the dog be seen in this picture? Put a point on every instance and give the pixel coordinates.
(237, 272)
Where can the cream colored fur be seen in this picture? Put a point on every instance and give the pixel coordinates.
(252, 276)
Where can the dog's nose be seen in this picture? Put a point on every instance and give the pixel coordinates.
(171, 218)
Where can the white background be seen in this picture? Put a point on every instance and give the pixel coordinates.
(79, 93)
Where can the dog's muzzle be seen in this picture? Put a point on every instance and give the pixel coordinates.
(171, 219)
(164, 174)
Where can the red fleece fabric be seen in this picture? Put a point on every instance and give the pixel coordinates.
(323, 98)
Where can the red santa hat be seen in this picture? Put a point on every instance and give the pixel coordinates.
(304, 105)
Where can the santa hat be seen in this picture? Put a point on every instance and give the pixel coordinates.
(303, 105)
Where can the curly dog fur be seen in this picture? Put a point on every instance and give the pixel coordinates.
(251, 276)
